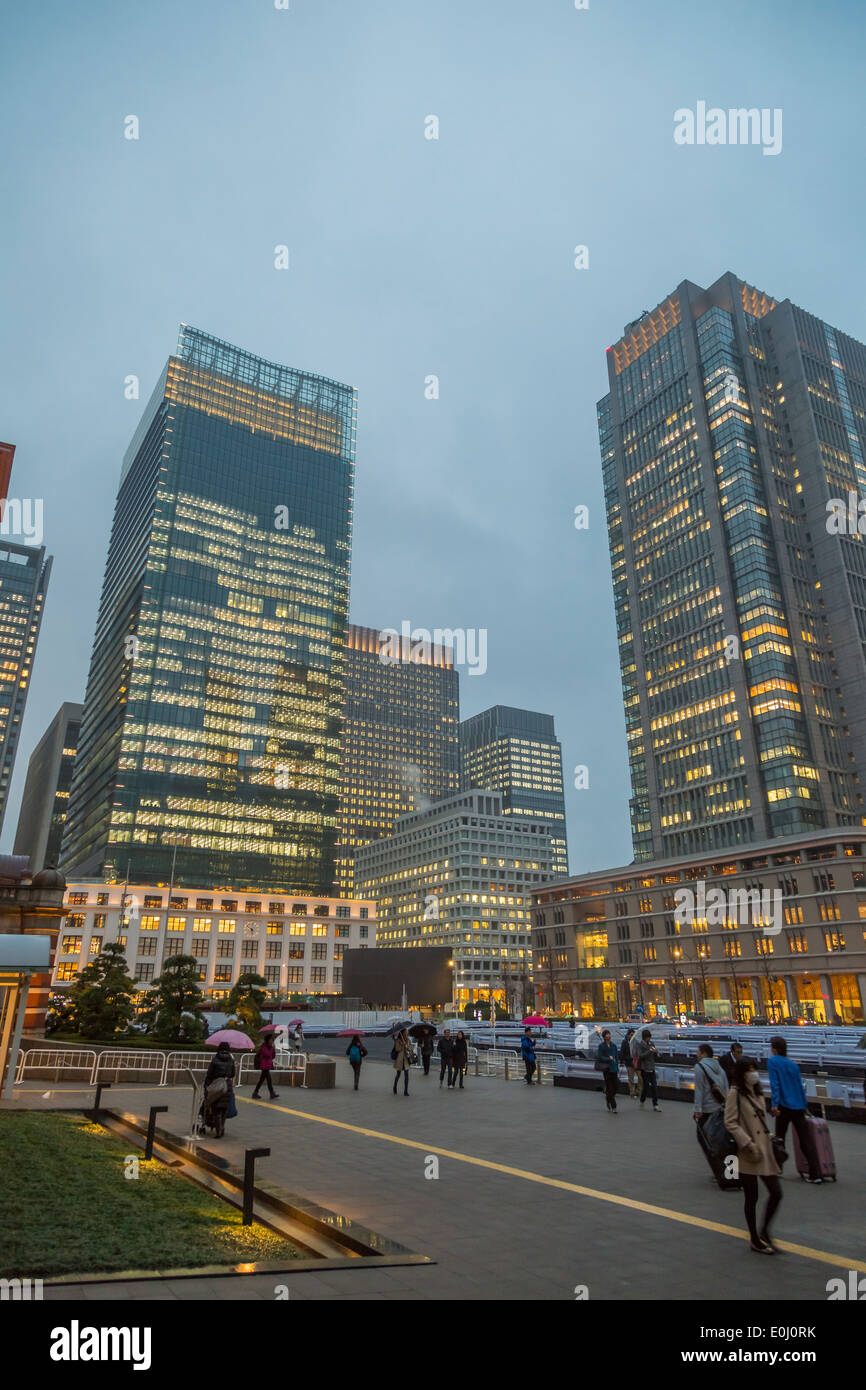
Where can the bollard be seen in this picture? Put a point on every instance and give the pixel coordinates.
(151, 1126)
(100, 1087)
(250, 1156)
(477, 1073)
(506, 1068)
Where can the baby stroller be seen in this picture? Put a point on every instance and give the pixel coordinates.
(216, 1101)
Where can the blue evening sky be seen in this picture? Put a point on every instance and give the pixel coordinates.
(409, 257)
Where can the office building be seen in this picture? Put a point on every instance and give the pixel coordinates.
(24, 575)
(400, 743)
(295, 945)
(46, 790)
(211, 723)
(516, 752)
(776, 932)
(461, 874)
(732, 422)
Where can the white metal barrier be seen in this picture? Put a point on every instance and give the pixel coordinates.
(65, 1060)
(548, 1064)
(292, 1062)
(110, 1064)
(184, 1062)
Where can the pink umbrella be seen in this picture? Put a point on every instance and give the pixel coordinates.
(351, 1033)
(230, 1036)
(269, 1027)
(535, 1018)
(294, 1023)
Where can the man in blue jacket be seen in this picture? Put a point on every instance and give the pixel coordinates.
(527, 1050)
(789, 1104)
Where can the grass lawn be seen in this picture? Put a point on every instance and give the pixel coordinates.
(66, 1207)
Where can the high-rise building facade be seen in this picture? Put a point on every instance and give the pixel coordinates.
(731, 422)
(516, 752)
(400, 747)
(461, 874)
(46, 791)
(24, 575)
(211, 722)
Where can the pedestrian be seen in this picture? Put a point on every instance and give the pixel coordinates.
(745, 1120)
(729, 1060)
(445, 1048)
(356, 1052)
(607, 1059)
(264, 1060)
(626, 1060)
(426, 1049)
(219, 1078)
(401, 1055)
(788, 1104)
(647, 1053)
(711, 1084)
(459, 1058)
(299, 1038)
(527, 1052)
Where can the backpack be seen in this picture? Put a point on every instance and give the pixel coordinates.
(354, 1053)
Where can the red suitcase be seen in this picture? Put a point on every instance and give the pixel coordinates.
(820, 1132)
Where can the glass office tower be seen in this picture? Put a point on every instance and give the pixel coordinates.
(400, 744)
(732, 420)
(211, 730)
(46, 791)
(24, 575)
(516, 752)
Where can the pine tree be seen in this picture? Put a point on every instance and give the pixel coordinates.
(102, 996)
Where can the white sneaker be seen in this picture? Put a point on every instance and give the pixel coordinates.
(657, 1109)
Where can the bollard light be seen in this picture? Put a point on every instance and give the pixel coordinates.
(250, 1156)
(151, 1126)
(100, 1087)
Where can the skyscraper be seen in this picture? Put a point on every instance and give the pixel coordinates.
(731, 424)
(400, 740)
(24, 575)
(516, 752)
(46, 791)
(212, 715)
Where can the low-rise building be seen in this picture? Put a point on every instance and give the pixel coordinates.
(295, 944)
(776, 930)
(461, 874)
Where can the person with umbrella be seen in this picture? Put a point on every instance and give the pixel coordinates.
(424, 1033)
(459, 1058)
(356, 1052)
(264, 1060)
(401, 1055)
(218, 1089)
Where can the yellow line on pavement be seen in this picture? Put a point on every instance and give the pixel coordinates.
(825, 1256)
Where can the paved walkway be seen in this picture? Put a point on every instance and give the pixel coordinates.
(538, 1191)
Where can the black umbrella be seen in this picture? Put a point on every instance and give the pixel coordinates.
(421, 1030)
(397, 1027)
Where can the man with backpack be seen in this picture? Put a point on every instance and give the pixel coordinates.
(445, 1048)
(527, 1052)
(711, 1084)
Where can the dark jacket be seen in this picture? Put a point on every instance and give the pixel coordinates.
(362, 1048)
(609, 1054)
(646, 1056)
(460, 1052)
(527, 1048)
(727, 1064)
(625, 1051)
(223, 1064)
(445, 1047)
(426, 1045)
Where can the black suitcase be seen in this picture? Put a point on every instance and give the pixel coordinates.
(717, 1164)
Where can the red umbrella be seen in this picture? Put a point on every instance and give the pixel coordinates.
(351, 1033)
(535, 1018)
(269, 1028)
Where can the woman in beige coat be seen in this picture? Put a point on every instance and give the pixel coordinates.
(402, 1060)
(746, 1122)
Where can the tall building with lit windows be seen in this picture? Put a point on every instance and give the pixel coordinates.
(732, 422)
(400, 746)
(45, 800)
(210, 739)
(516, 752)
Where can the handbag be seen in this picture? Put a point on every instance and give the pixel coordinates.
(216, 1090)
(719, 1141)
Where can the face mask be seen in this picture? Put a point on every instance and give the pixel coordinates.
(754, 1080)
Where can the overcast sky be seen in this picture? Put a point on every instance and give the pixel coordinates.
(409, 257)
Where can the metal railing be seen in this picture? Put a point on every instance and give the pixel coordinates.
(285, 1062)
(58, 1059)
(110, 1064)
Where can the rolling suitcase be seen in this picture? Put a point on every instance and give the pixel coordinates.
(716, 1159)
(820, 1132)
